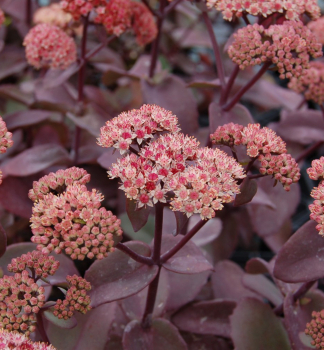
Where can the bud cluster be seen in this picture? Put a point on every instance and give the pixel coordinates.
(18, 341)
(5, 140)
(317, 28)
(75, 223)
(315, 328)
(78, 8)
(292, 9)
(20, 299)
(288, 46)
(42, 265)
(2, 17)
(316, 172)
(76, 298)
(263, 144)
(53, 14)
(49, 46)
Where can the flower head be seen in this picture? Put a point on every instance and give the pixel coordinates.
(52, 14)
(56, 183)
(18, 341)
(73, 222)
(144, 25)
(316, 172)
(78, 8)
(5, 137)
(316, 208)
(76, 298)
(317, 28)
(136, 126)
(20, 299)
(310, 82)
(43, 265)
(2, 17)
(315, 329)
(292, 9)
(229, 134)
(49, 46)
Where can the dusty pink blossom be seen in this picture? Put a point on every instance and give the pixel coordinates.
(18, 341)
(78, 8)
(229, 134)
(316, 208)
(76, 298)
(144, 25)
(56, 183)
(316, 172)
(49, 46)
(315, 329)
(2, 17)
(75, 223)
(5, 137)
(292, 9)
(40, 264)
(317, 28)
(288, 46)
(20, 299)
(310, 82)
(136, 127)
(52, 14)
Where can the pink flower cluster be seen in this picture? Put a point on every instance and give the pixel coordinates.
(78, 8)
(18, 341)
(117, 16)
(316, 172)
(49, 46)
(263, 144)
(292, 9)
(310, 82)
(73, 222)
(317, 28)
(288, 46)
(57, 183)
(52, 14)
(5, 140)
(76, 298)
(2, 17)
(201, 179)
(315, 329)
(136, 127)
(20, 299)
(40, 264)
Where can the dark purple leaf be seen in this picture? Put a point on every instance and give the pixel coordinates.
(206, 317)
(118, 276)
(56, 77)
(113, 73)
(103, 99)
(26, 118)
(162, 335)
(280, 237)
(193, 38)
(255, 327)
(184, 288)
(301, 257)
(137, 217)
(206, 342)
(12, 61)
(36, 159)
(208, 233)
(61, 323)
(227, 282)
(264, 287)
(173, 95)
(263, 198)
(108, 158)
(3, 241)
(257, 265)
(248, 190)
(188, 260)
(16, 93)
(181, 220)
(205, 84)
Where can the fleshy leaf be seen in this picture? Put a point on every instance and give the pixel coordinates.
(255, 327)
(137, 217)
(26, 118)
(206, 317)
(3, 241)
(248, 190)
(118, 276)
(257, 265)
(162, 335)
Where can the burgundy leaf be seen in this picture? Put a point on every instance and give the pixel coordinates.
(12, 61)
(162, 335)
(248, 190)
(61, 323)
(206, 317)
(184, 288)
(257, 265)
(173, 95)
(26, 118)
(118, 276)
(208, 233)
(188, 260)
(181, 220)
(206, 342)
(301, 257)
(108, 158)
(3, 241)
(280, 237)
(16, 93)
(205, 84)
(255, 327)
(56, 77)
(103, 99)
(264, 287)
(227, 282)
(36, 159)
(137, 217)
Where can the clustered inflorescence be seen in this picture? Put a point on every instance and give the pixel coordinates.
(67, 217)
(288, 46)
(2, 17)
(316, 172)
(317, 28)
(315, 328)
(18, 341)
(291, 9)
(5, 140)
(49, 46)
(262, 144)
(53, 14)
(76, 298)
(198, 180)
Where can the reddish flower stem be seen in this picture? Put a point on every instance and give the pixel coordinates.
(308, 151)
(96, 49)
(151, 295)
(256, 176)
(301, 104)
(171, 6)
(156, 43)
(137, 257)
(155, 13)
(301, 291)
(40, 326)
(229, 85)
(218, 58)
(228, 106)
(169, 254)
(133, 150)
